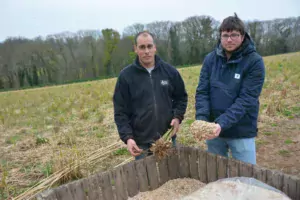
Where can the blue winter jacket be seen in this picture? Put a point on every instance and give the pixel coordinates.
(228, 90)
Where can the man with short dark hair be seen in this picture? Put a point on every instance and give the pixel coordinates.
(230, 84)
(149, 98)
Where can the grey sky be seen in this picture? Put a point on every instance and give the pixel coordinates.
(32, 18)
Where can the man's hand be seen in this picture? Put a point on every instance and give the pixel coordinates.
(216, 132)
(133, 148)
(175, 124)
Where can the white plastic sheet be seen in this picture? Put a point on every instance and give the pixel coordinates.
(237, 188)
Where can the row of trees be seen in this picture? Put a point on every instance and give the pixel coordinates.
(90, 54)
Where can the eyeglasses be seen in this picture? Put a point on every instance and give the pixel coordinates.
(233, 36)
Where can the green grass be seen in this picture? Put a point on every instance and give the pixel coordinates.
(284, 152)
(13, 139)
(41, 140)
(260, 142)
(271, 133)
(122, 151)
(288, 141)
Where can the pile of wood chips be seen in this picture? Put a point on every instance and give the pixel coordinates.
(202, 129)
(171, 190)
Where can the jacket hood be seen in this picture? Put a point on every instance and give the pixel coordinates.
(246, 48)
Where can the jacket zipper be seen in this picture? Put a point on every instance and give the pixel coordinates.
(154, 98)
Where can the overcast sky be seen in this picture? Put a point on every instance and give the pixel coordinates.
(32, 18)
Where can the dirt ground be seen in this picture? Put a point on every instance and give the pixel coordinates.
(279, 147)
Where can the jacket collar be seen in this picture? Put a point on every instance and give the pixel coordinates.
(138, 65)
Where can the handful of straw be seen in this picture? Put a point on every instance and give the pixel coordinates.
(162, 146)
(202, 129)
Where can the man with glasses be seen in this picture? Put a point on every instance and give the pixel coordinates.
(230, 83)
(149, 98)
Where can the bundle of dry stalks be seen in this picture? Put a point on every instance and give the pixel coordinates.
(202, 129)
(58, 176)
(162, 146)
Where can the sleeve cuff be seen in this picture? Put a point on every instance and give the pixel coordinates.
(202, 118)
(127, 138)
(180, 118)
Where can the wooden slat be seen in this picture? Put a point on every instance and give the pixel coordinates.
(260, 173)
(269, 177)
(285, 183)
(152, 172)
(245, 169)
(275, 179)
(85, 186)
(211, 167)
(47, 195)
(112, 175)
(173, 166)
(106, 186)
(292, 191)
(298, 189)
(193, 162)
(77, 190)
(163, 170)
(202, 166)
(222, 166)
(290, 186)
(142, 177)
(94, 187)
(121, 193)
(184, 162)
(63, 193)
(131, 179)
(233, 167)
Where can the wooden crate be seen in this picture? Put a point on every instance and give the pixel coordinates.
(150, 173)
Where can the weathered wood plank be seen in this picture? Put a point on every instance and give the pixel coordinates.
(106, 186)
(184, 162)
(193, 162)
(121, 193)
(298, 189)
(163, 170)
(131, 178)
(152, 172)
(245, 169)
(94, 187)
(211, 167)
(173, 166)
(233, 167)
(77, 190)
(142, 177)
(202, 155)
(222, 163)
(47, 195)
(275, 179)
(63, 193)
(85, 186)
(260, 173)
(290, 186)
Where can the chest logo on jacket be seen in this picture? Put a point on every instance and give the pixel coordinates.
(164, 82)
(237, 76)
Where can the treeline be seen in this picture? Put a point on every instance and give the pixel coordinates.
(92, 54)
